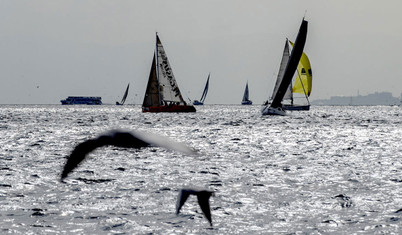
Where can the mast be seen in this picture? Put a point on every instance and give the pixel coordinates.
(157, 69)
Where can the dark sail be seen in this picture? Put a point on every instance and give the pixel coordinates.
(151, 97)
(204, 94)
(291, 66)
(124, 96)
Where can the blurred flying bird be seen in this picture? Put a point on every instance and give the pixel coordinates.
(119, 138)
(203, 200)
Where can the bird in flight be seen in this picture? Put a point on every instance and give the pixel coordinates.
(203, 200)
(120, 138)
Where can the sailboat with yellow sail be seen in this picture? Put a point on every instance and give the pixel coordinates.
(289, 65)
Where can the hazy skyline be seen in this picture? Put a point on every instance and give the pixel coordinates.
(54, 49)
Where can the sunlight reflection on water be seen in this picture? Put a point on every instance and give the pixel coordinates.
(332, 169)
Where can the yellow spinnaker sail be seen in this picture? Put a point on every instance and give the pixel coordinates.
(304, 79)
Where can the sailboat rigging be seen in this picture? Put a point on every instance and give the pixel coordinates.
(283, 85)
(124, 96)
(204, 93)
(245, 100)
(302, 84)
(162, 93)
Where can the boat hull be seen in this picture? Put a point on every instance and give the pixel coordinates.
(196, 102)
(88, 100)
(296, 107)
(248, 102)
(267, 110)
(169, 109)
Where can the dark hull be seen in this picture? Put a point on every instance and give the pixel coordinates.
(169, 109)
(296, 107)
(196, 102)
(248, 102)
(71, 100)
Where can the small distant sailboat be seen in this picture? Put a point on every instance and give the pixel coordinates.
(246, 100)
(124, 96)
(204, 94)
(283, 83)
(162, 93)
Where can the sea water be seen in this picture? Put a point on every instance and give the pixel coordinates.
(328, 170)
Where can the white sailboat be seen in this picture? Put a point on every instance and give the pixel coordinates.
(162, 93)
(245, 100)
(284, 80)
(204, 93)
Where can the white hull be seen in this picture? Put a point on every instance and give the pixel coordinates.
(267, 110)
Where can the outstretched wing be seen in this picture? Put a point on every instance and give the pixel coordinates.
(203, 201)
(125, 139)
(79, 154)
(161, 141)
(181, 199)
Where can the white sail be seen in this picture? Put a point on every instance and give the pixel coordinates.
(169, 90)
(284, 62)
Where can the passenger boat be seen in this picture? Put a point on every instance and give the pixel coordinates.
(89, 100)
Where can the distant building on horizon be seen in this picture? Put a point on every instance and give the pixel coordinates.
(378, 98)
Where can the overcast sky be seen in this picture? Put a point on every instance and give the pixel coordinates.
(53, 49)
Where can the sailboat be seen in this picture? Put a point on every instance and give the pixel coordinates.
(124, 96)
(162, 93)
(245, 100)
(302, 84)
(286, 73)
(204, 94)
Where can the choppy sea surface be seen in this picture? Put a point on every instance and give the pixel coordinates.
(325, 171)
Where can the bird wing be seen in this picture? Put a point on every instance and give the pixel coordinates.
(119, 138)
(78, 155)
(114, 137)
(181, 199)
(203, 201)
(161, 141)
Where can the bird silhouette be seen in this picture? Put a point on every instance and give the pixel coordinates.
(120, 138)
(203, 200)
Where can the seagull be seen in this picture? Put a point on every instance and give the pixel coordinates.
(120, 138)
(203, 200)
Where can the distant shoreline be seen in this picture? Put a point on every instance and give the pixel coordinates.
(378, 98)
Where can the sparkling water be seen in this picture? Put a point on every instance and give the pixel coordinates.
(327, 170)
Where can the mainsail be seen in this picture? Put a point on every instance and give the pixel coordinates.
(124, 96)
(204, 94)
(245, 95)
(169, 90)
(245, 99)
(282, 67)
